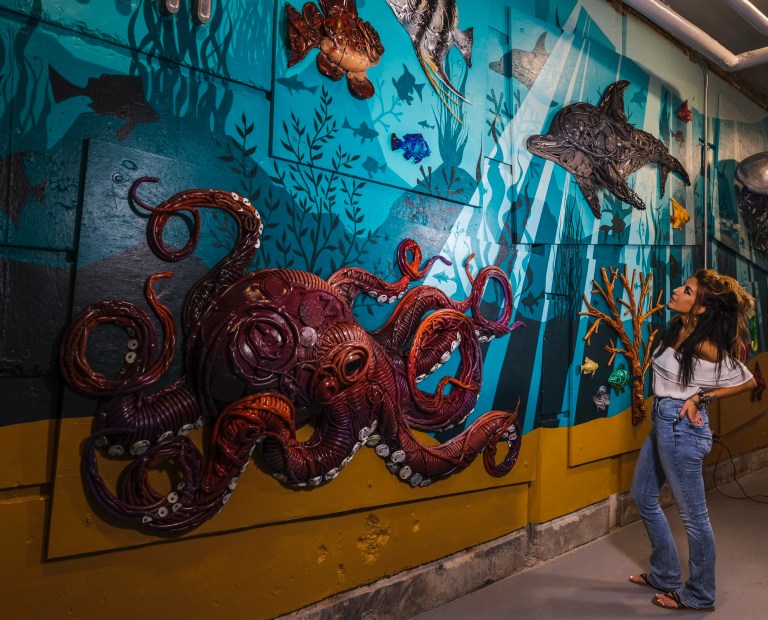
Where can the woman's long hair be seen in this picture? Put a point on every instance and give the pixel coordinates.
(724, 322)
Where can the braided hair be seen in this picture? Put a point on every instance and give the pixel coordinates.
(724, 322)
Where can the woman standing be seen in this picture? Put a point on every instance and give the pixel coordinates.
(695, 362)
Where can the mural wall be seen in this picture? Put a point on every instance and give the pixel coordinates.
(344, 157)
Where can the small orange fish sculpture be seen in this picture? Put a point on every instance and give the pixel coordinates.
(347, 44)
(679, 216)
(589, 367)
(684, 113)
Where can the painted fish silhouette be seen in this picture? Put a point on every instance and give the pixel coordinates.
(598, 146)
(363, 131)
(413, 145)
(426, 125)
(406, 84)
(294, 84)
(371, 166)
(121, 96)
(530, 302)
(523, 65)
(616, 226)
(15, 180)
(433, 26)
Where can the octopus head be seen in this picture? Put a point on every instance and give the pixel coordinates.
(343, 358)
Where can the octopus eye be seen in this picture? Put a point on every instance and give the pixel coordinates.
(353, 364)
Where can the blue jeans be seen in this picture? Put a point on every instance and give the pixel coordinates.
(674, 452)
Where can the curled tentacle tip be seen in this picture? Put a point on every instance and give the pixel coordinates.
(139, 181)
(516, 324)
(145, 179)
(159, 276)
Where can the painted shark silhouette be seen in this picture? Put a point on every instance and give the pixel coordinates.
(598, 146)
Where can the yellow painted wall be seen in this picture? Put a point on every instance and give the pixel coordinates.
(271, 551)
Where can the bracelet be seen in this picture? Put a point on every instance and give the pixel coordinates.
(704, 398)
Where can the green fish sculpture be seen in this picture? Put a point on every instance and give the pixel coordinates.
(618, 379)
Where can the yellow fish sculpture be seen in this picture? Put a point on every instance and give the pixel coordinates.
(679, 216)
(589, 367)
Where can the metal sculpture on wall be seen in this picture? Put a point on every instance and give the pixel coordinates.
(598, 146)
(679, 216)
(202, 11)
(346, 44)
(413, 145)
(267, 350)
(752, 174)
(635, 350)
(684, 113)
(433, 26)
(602, 399)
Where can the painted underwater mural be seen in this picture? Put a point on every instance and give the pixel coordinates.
(220, 104)
(270, 347)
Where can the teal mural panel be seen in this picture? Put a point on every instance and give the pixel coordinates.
(38, 180)
(217, 106)
(234, 44)
(318, 122)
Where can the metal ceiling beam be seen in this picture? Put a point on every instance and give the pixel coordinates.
(754, 16)
(676, 25)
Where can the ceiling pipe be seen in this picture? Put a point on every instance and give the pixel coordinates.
(754, 16)
(679, 27)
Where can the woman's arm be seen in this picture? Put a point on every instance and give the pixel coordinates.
(691, 406)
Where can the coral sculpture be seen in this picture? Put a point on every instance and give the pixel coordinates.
(635, 350)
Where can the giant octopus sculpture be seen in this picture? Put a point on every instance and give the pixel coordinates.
(271, 347)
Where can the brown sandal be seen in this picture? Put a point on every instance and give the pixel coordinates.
(679, 603)
(642, 580)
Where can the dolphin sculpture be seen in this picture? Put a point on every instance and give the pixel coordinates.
(598, 146)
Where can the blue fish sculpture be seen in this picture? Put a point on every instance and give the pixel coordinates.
(413, 145)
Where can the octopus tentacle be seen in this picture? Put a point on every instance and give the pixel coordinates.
(343, 384)
(351, 281)
(487, 329)
(420, 465)
(406, 318)
(139, 369)
(438, 335)
(203, 490)
(231, 268)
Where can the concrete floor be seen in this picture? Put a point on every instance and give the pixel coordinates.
(591, 582)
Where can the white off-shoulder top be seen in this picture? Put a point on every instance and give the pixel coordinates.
(667, 380)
